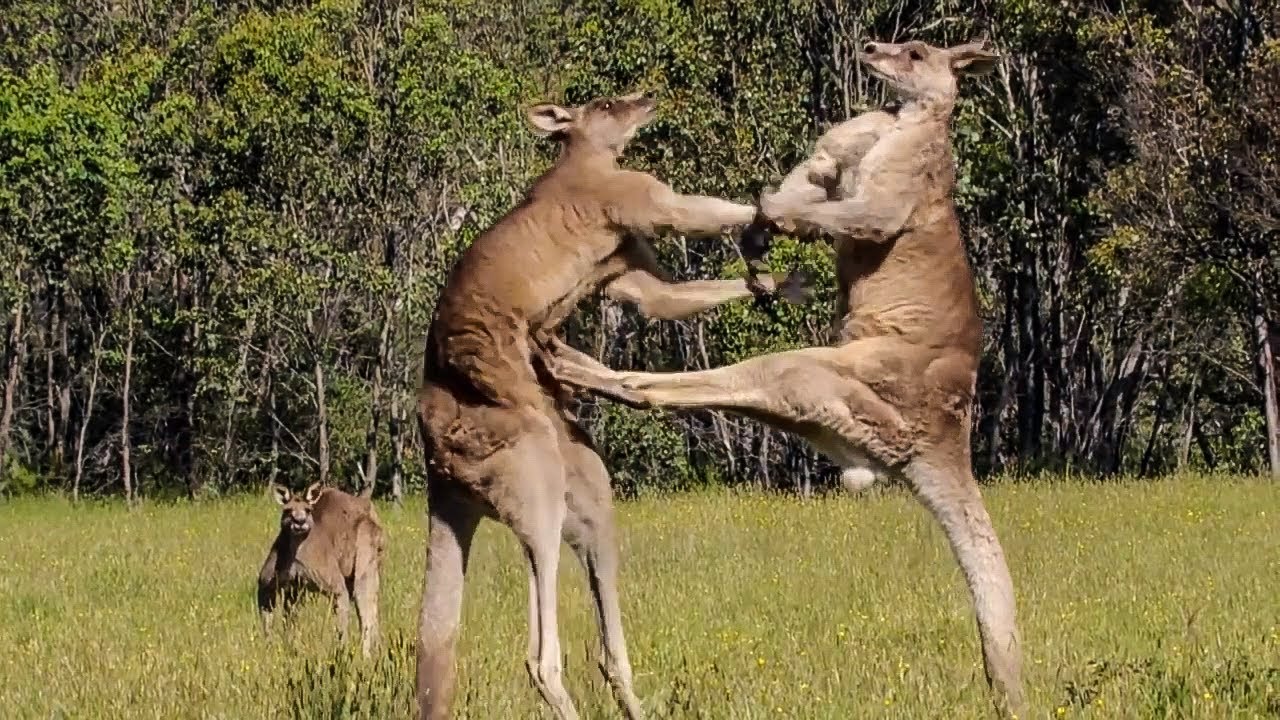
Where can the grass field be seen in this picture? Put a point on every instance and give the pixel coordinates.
(1153, 600)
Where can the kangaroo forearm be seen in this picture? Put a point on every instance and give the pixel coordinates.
(661, 299)
(851, 218)
(702, 215)
(568, 352)
(676, 301)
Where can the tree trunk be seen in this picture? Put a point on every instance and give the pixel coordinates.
(397, 448)
(228, 432)
(184, 450)
(182, 453)
(51, 403)
(14, 350)
(317, 332)
(723, 426)
(266, 402)
(370, 474)
(375, 403)
(994, 420)
(1030, 377)
(55, 414)
(1267, 376)
(275, 436)
(1104, 434)
(1122, 421)
(765, 442)
(1009, 383)
(64, 383)
(322, 423)
(126, 460)
(88, 414)
(1148, 453)
(1206, 448)
(1184, 451)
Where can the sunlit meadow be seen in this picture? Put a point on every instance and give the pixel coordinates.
(1138, 600)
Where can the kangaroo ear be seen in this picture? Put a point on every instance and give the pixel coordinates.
(281, 494)
(313, 493)
(548, 119)
(973, 59)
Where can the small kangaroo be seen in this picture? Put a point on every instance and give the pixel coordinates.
(329, 542)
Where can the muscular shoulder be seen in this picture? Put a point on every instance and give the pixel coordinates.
(853, 137)
(632, 199)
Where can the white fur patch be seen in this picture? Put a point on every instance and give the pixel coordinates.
(857, 478)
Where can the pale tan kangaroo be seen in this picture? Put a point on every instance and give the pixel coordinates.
(499, 441)
(895, 395)
(331, 543)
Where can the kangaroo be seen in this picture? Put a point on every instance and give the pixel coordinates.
(329, 542)
(894, 396)
(500, 439)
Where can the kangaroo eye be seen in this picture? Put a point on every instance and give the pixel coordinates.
(915, 55)
(608, 105)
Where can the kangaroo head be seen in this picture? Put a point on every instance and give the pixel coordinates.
(919, 71)
(296, 510)
(606, 124)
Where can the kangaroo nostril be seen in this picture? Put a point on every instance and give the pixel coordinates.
(869, 48)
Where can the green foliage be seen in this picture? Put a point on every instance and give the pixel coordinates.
(743, 331)
(65, 175)
(222, 196)
(646, 451)
(17, 479)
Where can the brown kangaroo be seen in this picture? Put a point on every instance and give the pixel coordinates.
(500, 440)
(329, 542)
(894, 397)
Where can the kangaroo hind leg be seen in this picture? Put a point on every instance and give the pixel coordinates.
(945, 485)
(532, 475)
(591, 531)
(365, 585)
(452, 523)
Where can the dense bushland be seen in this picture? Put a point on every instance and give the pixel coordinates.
(223, 225)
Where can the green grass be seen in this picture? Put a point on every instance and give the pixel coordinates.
(1151, 600)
